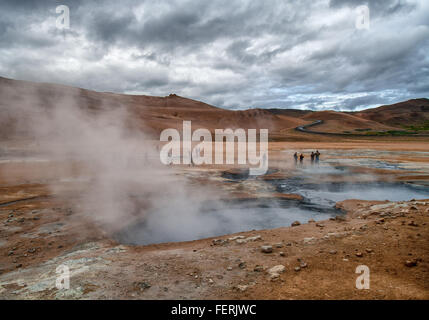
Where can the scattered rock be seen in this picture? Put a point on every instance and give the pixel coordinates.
(368, 250)
(254, 238)
(242, 265)
(274, 277)
(241, 288)
(277, 269)
(142, 285)
(311, 221)
(379, 221)
(333, 251)
(19, 265)
(303, 265)
(308, 240)
(295, 224)
(359, 254)
(266, 249)
(279, 245)
(282, 254)
(236, 237)
(413, 224)
(320, 225)
(258, 268)
(297, 269)
(229, 268)
(219, 242)
(411, 263)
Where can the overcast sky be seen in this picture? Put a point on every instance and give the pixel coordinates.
(232, 54)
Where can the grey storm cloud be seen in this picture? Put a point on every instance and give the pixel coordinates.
(233, 54)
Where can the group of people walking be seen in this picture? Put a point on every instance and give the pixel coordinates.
(315, 156)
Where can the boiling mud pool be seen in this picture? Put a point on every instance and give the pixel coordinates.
(220, 218)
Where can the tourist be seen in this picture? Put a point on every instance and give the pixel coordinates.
(317, 156)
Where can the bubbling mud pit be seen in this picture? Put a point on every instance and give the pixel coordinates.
(220, 219)
(318, 199)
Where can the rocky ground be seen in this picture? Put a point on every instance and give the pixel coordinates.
(316, 260)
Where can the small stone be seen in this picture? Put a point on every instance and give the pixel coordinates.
(229, 268)
(308, 240)
(413, 224)
(274, 277)
(359, 254)
(242, 265)
(242, 288)
(10, 253)
(277, 269)
(19, 265)
(142, 285)
(333, 251)
(311, 221)
(297, 269)
(411, 263)
(320, 225)
(279, 245)
(258, 268)
(266, 249)
(295, 224)
(219, 242)
(211, 281)
(413, 208)
(369, 250)
(235, 238)
(303, 265)
(282, 254)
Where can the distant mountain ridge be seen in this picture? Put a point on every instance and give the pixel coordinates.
(153, 114)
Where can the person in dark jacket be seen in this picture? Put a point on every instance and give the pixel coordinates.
(317, 156)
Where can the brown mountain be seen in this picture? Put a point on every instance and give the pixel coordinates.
(22, 101)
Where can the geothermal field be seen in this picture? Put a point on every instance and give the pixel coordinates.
(82, 186)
